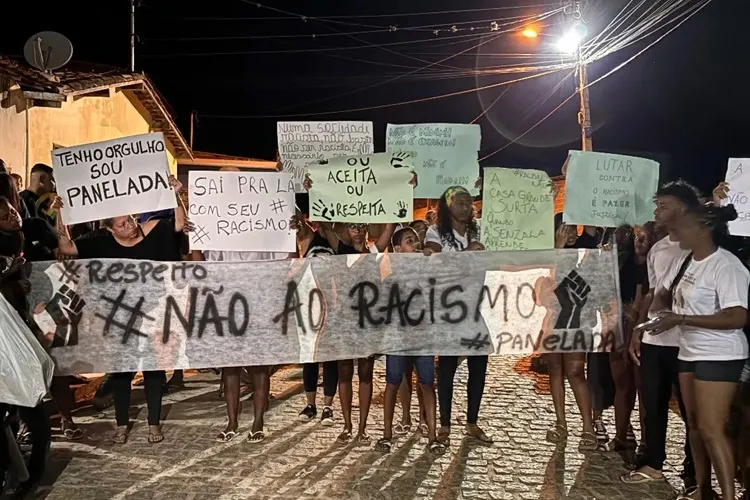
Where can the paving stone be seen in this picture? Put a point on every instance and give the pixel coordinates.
(299, 460)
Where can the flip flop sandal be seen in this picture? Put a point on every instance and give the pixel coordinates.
(436, 448)
(344, 437)
(638, 477)
(256, 437)
(73, 434)
(384, 445)
(444, 437)
(226, 436)
(120, 437)
(688, 494)
(155, 438)
(588, 442)
(557, 434)
(401, 429)
(364, 439)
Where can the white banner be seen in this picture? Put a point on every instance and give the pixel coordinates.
(112, 316)
(106, 179)
(242, 211)
(301, 143)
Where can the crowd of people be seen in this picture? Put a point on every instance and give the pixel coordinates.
(684, 290)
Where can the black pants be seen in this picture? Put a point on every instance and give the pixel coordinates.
(474, 389)
(37, 422)
(659, 373)
(152, 386)
(330, 377)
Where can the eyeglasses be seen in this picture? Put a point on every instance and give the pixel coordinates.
(126, 224)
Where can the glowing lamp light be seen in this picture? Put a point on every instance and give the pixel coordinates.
(529, 33)
(569, 43)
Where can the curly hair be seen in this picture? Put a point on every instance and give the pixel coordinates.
(717, 219)
(445, 221)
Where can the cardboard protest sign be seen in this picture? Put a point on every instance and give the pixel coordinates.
(106, 179)
(362, 189)
(301, 143)
(739, 195)
(120, 315)
(444, 155)
(242, 211)
(609, 190)
(517, 210)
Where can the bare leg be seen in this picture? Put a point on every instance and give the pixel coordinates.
(364, 369)
(404, 392)
(700, 455)
(346, 374)
(574, 366)
(261, 382)
(231, 379)
(713, 403)
(557, 386)
(429, 399)
(389, 409)
(622, 374)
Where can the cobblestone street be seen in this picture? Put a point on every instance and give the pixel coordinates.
(300, 460)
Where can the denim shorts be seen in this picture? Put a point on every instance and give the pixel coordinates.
(395, 367)
(714, 371)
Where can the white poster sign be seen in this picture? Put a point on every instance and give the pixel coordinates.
(242, 211)
(301, 143)
(106, 179)
(738, 178)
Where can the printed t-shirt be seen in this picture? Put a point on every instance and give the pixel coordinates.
(161, 244)
(718, 282)
(663, 257)
(319, 246)
(458, 245)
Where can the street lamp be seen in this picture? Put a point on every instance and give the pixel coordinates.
(529, 33)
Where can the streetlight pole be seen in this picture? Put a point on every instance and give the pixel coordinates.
(584, 115)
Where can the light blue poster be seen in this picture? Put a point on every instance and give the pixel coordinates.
(608, 190)
(444, 155)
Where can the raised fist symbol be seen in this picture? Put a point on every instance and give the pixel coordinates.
(572, 294)
(66, 309)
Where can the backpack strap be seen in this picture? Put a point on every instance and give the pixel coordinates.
(681, 272)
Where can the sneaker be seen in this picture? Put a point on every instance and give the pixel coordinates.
(601, 431)
(326, 418)
(309, 413)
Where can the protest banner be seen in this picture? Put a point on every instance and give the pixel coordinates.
(242, 211)
(301, 143)
(444, 155)
(739, 190)
(609, 190)
(518, 211)
(362, 189)
(123, 315)
(106, 179)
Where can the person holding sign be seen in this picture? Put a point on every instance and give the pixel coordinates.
(457, 231)
(707, 302)
(406, 240)
(358, 234)
(124, 238)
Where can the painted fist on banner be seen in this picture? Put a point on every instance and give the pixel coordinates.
(572, 293)
(66, 309)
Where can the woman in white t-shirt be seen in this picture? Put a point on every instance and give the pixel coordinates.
(456, 230)
(708, 293)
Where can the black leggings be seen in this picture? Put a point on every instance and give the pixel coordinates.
(37, 422)
(447, 366)
(153, 387)
(330, 377)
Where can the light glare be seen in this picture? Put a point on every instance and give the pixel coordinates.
(529, 33)
(569, 43)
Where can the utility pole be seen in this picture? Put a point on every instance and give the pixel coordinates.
(132, 36)
(584, 115)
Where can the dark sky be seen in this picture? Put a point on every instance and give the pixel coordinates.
(685, 101)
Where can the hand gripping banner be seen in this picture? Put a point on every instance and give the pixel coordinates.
(127, 315)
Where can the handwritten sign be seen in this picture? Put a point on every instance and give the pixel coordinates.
(111, 178)
(120, 315)
(301, 143)
(362, 189)
(517, 210)
(609, 190)
(242, 211)
(739, 195)
(444, 155)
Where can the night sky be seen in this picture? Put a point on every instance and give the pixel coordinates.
(684, 102)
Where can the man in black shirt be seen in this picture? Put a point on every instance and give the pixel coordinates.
(42, 183)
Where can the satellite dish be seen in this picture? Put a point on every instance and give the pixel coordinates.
(48, 50)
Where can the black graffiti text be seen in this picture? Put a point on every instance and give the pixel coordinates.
(143, 271)
(235, 320)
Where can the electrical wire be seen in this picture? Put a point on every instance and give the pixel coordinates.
(383, 106)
